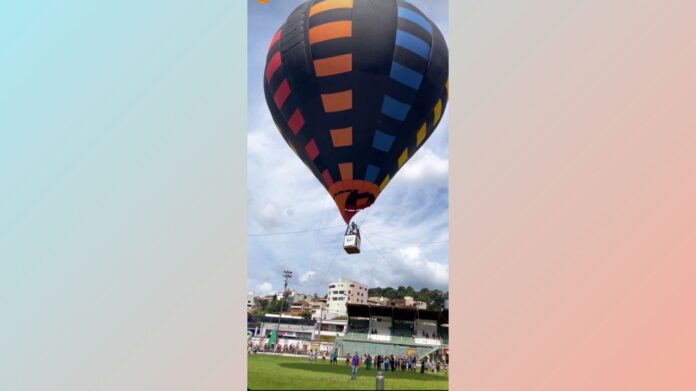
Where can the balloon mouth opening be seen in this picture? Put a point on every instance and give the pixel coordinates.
(352, 196)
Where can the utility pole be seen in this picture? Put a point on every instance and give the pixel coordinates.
(286, 276)
(321, 317)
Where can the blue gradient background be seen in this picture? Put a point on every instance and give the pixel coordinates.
(121, 142)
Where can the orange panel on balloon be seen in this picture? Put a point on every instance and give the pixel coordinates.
(333, 65)
(338, 101)
(346, 171)
(331, 30)
(342, 137)
(329, 5)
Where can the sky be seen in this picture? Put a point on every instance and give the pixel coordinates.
(293, 224)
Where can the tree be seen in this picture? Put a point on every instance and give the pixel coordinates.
(274, 306)
(306, 314)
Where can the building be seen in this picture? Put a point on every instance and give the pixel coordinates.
(343, 292)
(268, 298)
(319, 309)
(394, 330)
(292, 330)
(409, 302)
(326, 332)
(301, 305)
(295, 331)
(250, 300)
(295, 297)
(377, 300)
(445, 297)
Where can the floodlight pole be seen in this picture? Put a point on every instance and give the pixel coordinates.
(321, 317)
(286, 276)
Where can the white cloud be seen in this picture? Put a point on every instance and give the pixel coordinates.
(265, 288)
(425, 166)
(307, 276)
(400, 266)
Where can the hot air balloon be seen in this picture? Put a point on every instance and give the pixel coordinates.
(355, 88)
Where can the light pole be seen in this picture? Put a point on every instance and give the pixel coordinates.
(286, 276)
(321, 317)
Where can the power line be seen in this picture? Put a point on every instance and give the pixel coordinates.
(378, 251)
(338, 252)
(408, 242)
(293, 232)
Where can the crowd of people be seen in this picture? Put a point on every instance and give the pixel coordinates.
(392, 363)
(403, 363)
(387, 363)
(285, 349)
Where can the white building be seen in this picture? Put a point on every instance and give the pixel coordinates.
(409, 302)
(345, 291)
(319, 309)
(295, 297)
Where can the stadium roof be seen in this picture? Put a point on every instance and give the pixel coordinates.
(398, 313)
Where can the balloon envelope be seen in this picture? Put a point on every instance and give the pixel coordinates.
(355, 88)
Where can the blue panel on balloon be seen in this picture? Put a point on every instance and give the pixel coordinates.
(416, 18)
(395, 109)
(405, 75)
(410, 42)
(382, 141)
(371, 173)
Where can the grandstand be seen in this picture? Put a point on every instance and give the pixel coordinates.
(377, 329)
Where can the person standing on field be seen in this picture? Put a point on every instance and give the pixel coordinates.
(355, 361)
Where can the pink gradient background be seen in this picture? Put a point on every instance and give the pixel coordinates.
(573, 195)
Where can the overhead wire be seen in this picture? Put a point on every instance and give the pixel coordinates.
(378, 250)
(293, 232)
(331, 263)
(408, 242)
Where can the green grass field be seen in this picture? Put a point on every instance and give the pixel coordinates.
(288, 373)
